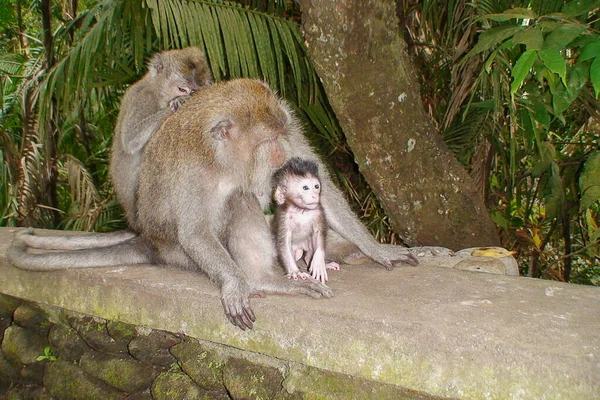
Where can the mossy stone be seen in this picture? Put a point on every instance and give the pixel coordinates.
(121, 331)
(8, 305)
(153, 348)
(176, 386)
(22, 345)
(66, 343)
(202, 364)
(123, 373)
(246, 380)
(93, 330)
(65, 380)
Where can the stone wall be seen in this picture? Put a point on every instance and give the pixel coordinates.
(384, 334)
(49, 352)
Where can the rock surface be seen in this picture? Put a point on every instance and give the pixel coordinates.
(438, 331)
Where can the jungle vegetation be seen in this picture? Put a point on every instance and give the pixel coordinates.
(512, 86)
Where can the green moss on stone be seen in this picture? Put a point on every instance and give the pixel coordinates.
(202, 364)
(247, 380)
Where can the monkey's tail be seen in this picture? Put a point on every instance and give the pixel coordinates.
(74, 242)
(131, 252)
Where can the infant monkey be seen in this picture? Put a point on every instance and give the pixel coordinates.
(299, 225)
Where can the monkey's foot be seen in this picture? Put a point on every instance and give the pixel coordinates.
(333, 265)
(296, 275)
(390, 256)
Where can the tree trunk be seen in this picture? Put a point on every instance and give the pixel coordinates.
(361, 58)
(51, 195)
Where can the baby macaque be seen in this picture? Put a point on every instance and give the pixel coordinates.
(300, 226)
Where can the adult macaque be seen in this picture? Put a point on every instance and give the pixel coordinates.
(299, 225)
(173, 75)
(199, 183)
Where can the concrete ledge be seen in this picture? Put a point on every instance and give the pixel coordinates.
(435, 330)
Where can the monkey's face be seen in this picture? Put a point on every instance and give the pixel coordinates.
(181, 87)
(304, 192)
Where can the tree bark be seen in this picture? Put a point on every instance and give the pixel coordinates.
(359, 54)
(50, 131)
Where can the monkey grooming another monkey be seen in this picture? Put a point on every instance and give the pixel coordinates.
(173, 75)
(299, 225)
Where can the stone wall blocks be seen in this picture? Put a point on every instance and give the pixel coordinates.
(23, 346)
(65, 380)
(8, 305)
(177, 386)
(153, 348)
(246, 380)
(93, 330)
(121, 372)
(120, 331)
(203, 364)
(66, 343)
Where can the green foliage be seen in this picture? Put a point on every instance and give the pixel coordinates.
(48, 355)
(520, 110)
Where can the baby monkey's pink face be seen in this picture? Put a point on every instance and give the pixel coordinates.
(304, 192)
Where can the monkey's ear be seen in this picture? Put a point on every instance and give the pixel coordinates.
(222, 129)
(156, 64)
(279, 196)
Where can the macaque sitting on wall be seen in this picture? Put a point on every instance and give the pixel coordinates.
(300, 226)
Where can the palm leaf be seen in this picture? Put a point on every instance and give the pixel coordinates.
(238, 42)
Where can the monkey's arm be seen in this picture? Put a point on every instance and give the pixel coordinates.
(136, 135)
(342, 220)
(318, 269)
(212, 258)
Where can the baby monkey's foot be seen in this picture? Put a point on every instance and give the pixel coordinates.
(296, 275)
(333, 265)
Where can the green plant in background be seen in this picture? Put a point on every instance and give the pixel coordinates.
(518, 105)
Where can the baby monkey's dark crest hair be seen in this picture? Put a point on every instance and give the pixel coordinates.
(296, 166)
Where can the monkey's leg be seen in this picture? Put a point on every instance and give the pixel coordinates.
(250, 244)
(134, 251)
(76, 241)
(197, 238)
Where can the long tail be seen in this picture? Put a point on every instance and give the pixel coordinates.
(134, 251)
(75, 241)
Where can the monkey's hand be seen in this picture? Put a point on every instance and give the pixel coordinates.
(177, 102)
(235, 297)
(296, 275)
(319, 272)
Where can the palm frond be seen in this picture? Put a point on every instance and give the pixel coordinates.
(238, 42)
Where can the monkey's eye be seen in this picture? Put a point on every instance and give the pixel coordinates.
(305, 187)
(316, 186)
(182, 89)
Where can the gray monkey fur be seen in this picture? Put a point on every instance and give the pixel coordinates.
(144, 107)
